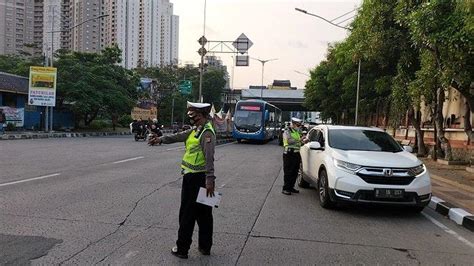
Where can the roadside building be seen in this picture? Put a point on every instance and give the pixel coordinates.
(14, 102)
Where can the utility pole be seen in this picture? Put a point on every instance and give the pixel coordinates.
(201, 69)
(357, 97)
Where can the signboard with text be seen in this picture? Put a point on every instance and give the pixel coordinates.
(15, 116)
(42, 86)
(144, 114)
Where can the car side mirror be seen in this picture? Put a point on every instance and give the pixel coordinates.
(315, 146)
(408, 149)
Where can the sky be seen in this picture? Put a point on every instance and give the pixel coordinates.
(298, 41)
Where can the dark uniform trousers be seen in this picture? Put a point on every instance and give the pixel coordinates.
(191, 212)
(291, 165)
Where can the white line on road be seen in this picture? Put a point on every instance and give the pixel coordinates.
(449, 231)
(176, 148)
(128, 160)
(29, 179)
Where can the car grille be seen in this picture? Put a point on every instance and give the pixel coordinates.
(385, 176)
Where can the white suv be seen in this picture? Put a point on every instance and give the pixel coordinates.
(362, 165)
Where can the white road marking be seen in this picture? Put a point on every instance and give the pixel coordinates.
(449, 231)
(176, 149)
(29, 179)
(223, 185)
(128, 160)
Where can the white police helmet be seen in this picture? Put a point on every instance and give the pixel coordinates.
(295, 120)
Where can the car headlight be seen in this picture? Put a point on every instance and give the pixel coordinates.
(415, 171)
(348, 167)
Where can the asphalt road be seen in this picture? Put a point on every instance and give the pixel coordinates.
(115, 201)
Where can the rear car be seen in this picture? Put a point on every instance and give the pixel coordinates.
(362, 165)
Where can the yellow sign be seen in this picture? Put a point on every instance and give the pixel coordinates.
(42, 86)
(144, 114)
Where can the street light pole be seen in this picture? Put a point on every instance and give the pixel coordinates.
(357, 96)
(263, 69)
(202, 55)
(50, 118)
(358, 72)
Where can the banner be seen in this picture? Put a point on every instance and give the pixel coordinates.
(14, 116)
(42, 86)
(144, 114)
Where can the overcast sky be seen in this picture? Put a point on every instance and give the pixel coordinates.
(278, 31)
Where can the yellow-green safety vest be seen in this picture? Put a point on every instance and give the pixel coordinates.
(294, 134)
(193, 159)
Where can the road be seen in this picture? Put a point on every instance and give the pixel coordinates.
(112, 200)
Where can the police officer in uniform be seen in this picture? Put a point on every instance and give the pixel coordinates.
(292, 141)
(198, 171)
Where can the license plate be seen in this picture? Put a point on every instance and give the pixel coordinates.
(383, 193)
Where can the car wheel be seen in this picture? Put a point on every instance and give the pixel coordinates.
(239, 141)
(323, 191)
(301, 182)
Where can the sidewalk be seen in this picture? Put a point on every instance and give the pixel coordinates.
(452, 183)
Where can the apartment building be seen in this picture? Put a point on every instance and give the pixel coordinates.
(146, 31)
(138, 28)
(20, 26)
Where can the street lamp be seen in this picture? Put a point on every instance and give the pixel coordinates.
(50, 128)
(358, 71)
(263, 68)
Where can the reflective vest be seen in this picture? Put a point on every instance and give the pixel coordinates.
(295, 135)
(193, 159)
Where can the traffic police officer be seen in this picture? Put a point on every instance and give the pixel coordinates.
(198, 171)
(292, 141)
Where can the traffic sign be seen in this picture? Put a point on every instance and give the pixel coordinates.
(202, 41)
(242, 60)
(242, 44)
(202, 51)
(185, 86)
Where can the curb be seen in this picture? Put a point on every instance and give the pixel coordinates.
(60, 135)
(458, 215)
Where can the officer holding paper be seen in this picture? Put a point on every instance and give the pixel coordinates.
(198, 171)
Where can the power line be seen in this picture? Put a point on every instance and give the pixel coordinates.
(339, 23)
(344, 14)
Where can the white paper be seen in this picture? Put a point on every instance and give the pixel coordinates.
(209, 201)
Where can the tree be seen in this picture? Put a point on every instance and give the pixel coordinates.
(19, 65)
(95, 85)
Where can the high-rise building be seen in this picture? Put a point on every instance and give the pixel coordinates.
(20, 22)
(137, 28)
(87, 36)
(146, 31)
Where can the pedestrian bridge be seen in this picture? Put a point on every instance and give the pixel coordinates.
(286, 100)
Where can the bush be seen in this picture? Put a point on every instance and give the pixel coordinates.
(10, 127)
(125, 120)
(99, 124)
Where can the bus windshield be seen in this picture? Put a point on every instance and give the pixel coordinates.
(248, 120)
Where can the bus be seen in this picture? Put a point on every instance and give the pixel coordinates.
(256, 120)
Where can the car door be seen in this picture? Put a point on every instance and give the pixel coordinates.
(305, 151)
(315, 157)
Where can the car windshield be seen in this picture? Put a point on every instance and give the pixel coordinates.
(362, 140)
(248, 119)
